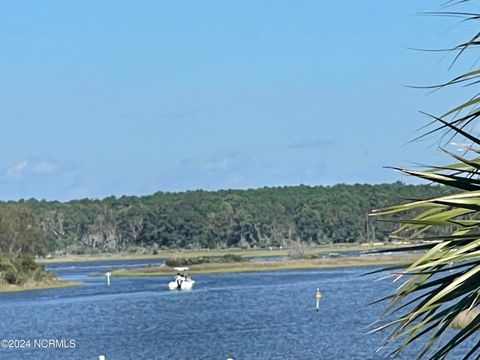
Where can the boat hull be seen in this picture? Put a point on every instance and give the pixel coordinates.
(185, 285)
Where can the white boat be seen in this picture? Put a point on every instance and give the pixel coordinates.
(182, 281)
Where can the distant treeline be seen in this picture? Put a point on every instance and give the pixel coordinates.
(203, 219)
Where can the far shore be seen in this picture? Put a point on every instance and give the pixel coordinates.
(248, 266)
(179, 253)
(54, 284)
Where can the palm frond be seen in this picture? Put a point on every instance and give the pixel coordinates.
(441, 289)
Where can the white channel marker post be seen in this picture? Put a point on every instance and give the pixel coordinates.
(318, 296)
(108, 280)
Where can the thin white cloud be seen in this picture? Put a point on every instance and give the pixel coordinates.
(29, 167)
(17, 169)
(224, 169)
(34, 167)
(44, 167)
(305, 143)
(219, 163)
(41, 177)
(215, 165)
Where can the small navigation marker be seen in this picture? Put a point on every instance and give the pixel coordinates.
(318, 296)
(107, 274)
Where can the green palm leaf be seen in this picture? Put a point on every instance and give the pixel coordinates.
(441, 289)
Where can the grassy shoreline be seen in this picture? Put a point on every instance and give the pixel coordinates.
(216, 252)
(250, 266)
(54, 284)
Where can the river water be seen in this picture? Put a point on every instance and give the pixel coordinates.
(259, 315)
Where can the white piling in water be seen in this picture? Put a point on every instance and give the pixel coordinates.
(318, 296)
(108, 280)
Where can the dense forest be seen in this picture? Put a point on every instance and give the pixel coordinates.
(203, 219)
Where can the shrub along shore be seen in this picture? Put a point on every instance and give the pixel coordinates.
(51, 284)
(23, 273)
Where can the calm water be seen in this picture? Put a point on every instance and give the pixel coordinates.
(265, 315)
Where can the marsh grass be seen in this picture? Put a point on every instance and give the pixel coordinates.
(248, 266)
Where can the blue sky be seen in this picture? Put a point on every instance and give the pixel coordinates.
(104, 98)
